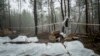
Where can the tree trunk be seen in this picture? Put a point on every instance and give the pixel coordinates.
(35, 16)
(41, 16)
(20, 22)
(86, 12)
(99, 14)
(52, 14)
(9, 15)
(49, 21)
(65, 7)
(68, 9)
(62, 9)
(62, 12)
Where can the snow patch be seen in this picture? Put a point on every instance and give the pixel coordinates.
(25, 39)
(55, 49)
(20, 38)
(74, 45)
(41, 49)
(32, 39)
(4, 39)
(73, 48)
(32, 49)
(76, 48)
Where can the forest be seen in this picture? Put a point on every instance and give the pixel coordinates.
(52, 27)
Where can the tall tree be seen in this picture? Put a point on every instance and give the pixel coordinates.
(65, 6)
(62, 13)
(62, 10)
(53, 16)
(35, 16)
(49, 14)
(86, 14)
(68, 8)
(41, 19)
(99, 13)
(9, 14)
(19, 16)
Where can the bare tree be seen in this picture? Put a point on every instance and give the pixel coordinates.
(52, 14)
(99, 13)
(62, 12)
(68, 8)
(35, 16)
(86, 14)
(49, 21)
(20, 22)
(9, 14)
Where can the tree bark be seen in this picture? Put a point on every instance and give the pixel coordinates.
(52, 14)
(99, 14)
(35, 16)
(62, 9)
(62, 12)
(65, 7)
(20, 21)
(49, 21)
(86, 12)
(68, 9)
(9, 14)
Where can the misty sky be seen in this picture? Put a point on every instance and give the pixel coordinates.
(26, 5)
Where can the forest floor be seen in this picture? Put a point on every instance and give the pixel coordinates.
(41, 46)
(43, 37)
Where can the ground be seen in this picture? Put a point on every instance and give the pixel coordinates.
(40, 48)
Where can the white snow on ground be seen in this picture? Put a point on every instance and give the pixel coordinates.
(73, 48)
(20, 38)
(76, 48)
(32, 49)
(25, 39)
(4, 39)
(55, 49)
(32, 39)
